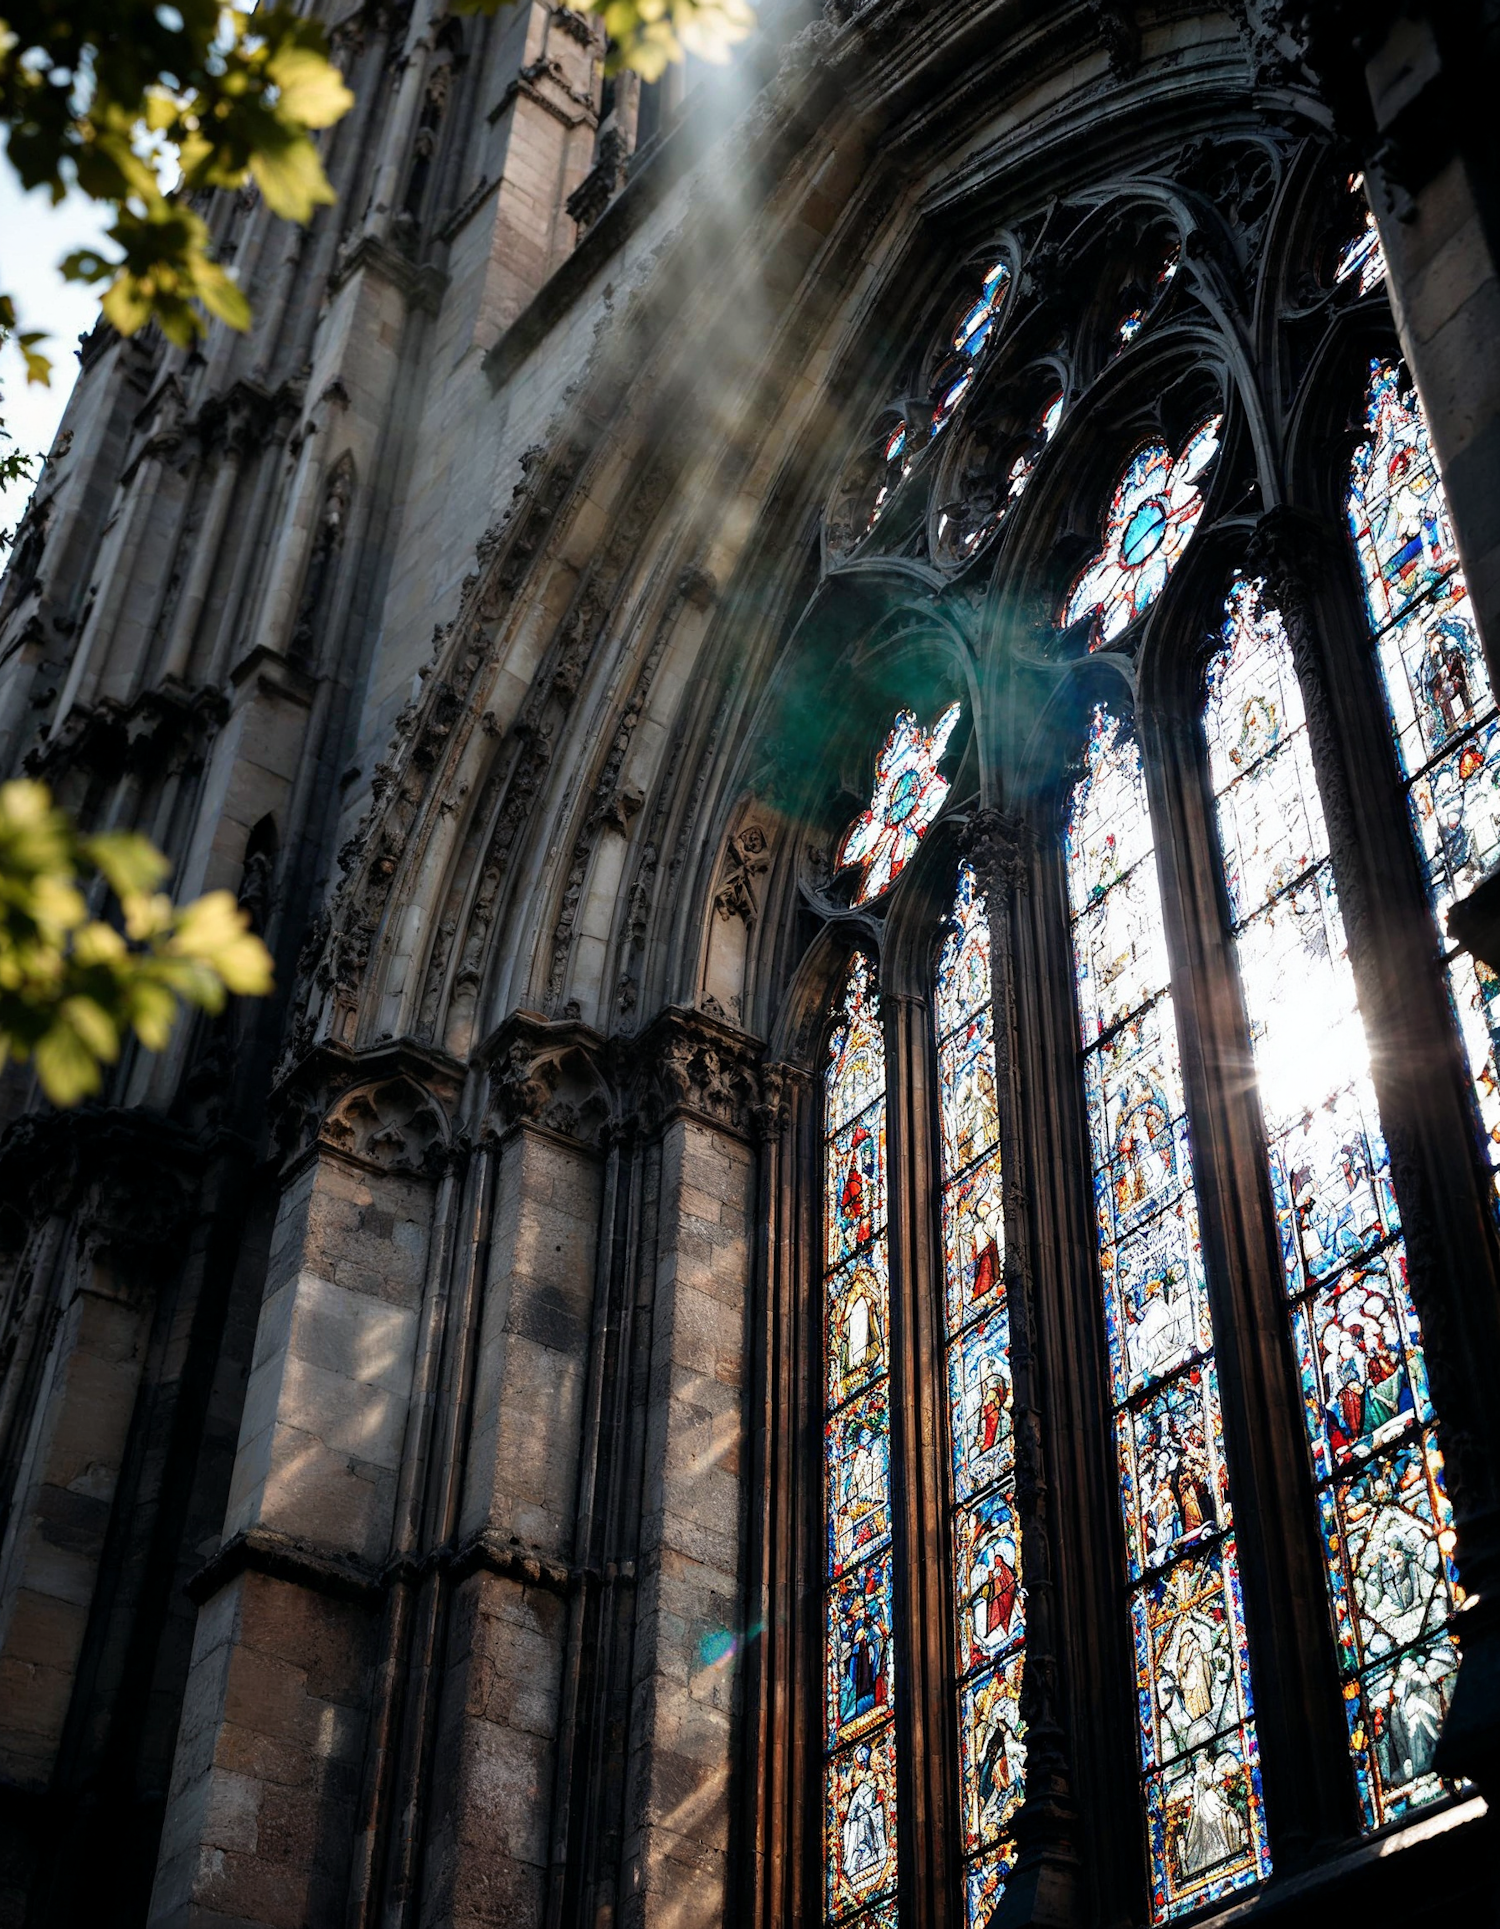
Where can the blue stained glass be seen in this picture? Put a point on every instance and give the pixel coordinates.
(972, 336)
(1207, 1825)
(1386, 1533)
(1205, 1822)
(856, 1180)
(1361, 259)
(908, 794)
(858, 1322)
(1151, 516)
(1192, 1680)
(859, 1655)
(987, 1557)
(988, 1596)
(859, 1479)
(1156, 1298)
(861, 1673)
(966, 1071)
(974, 1220)
(860, 1801)
(985, 1884)
(979, 1403)
(1173, 1483)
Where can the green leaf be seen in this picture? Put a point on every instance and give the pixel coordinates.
(93, 1025)
(128, 304)
(312, 89)
(292, 179)
(222, 295)
(65, 1066)
(38, 367)
(127, 861)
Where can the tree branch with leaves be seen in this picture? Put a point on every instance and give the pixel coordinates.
(74, 984)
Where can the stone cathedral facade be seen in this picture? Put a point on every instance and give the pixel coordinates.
(854, 1279)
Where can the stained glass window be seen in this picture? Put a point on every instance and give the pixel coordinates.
(1438, 693)
(971, 337)
(1386, 1529)
(908, 794)
(1152, 513)
(987, 500)
(1199, 1756)
(1134, 319)
(988, 1604)
(859, 1787)
(895, 456)
(1361, 259)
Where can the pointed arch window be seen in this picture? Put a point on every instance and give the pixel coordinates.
(1438, 694)
(1199, 1754)
(859, 1661)
(1384, 1518)
(989, 1609)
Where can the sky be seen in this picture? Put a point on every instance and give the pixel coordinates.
(34, 237)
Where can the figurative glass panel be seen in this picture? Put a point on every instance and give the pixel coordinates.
(1200, 1765)
(1153, 512)
(859, 1657)
(1387, 1536)
(988, 1600)
(908, 794)
(1438, 695)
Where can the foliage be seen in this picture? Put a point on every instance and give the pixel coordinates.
(72, 984)
(144, 104)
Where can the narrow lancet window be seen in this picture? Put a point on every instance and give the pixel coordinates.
(1199, 1754)
(1437, 691)
(988, 1603)
(1384, 1518)
(859, 1794)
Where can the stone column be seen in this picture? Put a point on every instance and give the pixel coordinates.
(261, 1811)
(111, 1216)
(498, 1700)
(689, 1632)
(1045, 1886)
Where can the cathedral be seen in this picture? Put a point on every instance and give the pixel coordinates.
(853, 1279)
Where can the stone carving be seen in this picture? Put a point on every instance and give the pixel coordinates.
(745, 860)
(395, 1124)
(1001, 848)
(688, 1061)
(602, 182)
(126, 1179)
(389, 1108)
(552, 1075)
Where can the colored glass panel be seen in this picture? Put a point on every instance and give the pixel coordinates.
(989, 1603)
(861, 1825)
(993, 1747)
(1361, 259)
(1152, 513)
(1358, 1346)
(859, 1658)
(1205, 1822)
(908, 794)
(971, 337)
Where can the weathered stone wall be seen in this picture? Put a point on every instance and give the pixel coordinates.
(440, 617)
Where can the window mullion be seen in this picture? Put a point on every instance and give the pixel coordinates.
(919, 1477)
